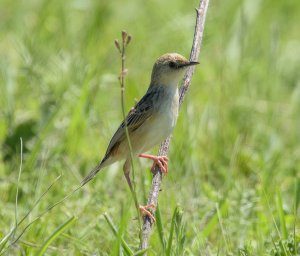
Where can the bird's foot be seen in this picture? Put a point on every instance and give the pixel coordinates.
(145, 211)
(161, 161)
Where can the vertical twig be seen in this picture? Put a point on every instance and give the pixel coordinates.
(125, 41)
(164, 147)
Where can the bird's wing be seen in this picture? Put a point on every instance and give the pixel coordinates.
(135, 118)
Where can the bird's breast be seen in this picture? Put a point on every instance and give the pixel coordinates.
(161, 124)
(168, 111)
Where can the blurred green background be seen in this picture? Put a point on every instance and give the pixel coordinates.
(235, 153)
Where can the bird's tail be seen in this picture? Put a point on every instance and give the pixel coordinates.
(92, 174)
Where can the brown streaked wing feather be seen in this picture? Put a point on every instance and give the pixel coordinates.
(135, 118)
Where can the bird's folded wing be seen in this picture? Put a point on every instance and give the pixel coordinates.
(135, 118)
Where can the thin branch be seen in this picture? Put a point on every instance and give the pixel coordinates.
(164, 147)
(126, 39)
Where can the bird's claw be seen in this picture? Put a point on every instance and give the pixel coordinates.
(162, 162)
(145, 211)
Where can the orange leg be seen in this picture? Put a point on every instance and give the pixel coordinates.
(161, 161)
(145, 211)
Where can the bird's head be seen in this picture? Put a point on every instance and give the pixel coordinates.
(169, 69)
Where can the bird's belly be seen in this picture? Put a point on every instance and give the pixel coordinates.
(156, 129)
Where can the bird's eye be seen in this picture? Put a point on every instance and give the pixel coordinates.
(172, 64)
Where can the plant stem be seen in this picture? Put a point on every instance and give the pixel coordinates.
(122, 81)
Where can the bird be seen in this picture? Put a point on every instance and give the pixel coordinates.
(150, 121)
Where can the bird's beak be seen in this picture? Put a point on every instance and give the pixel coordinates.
(193, 63)
(190, 63)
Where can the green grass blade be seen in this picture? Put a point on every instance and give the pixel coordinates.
(18, 182)
(125, 246)
(43, 213)
(31, 158)
(12, 232)
(39, 199)
(141, 252)
(27, 214)
(110, 223)
(213, 222)
(283, 227)
(180, 232)
(297, 193)
(160, 229)
(274, 246)
(55, 234)
(5, 239)
(223, 231)
(168, 251)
